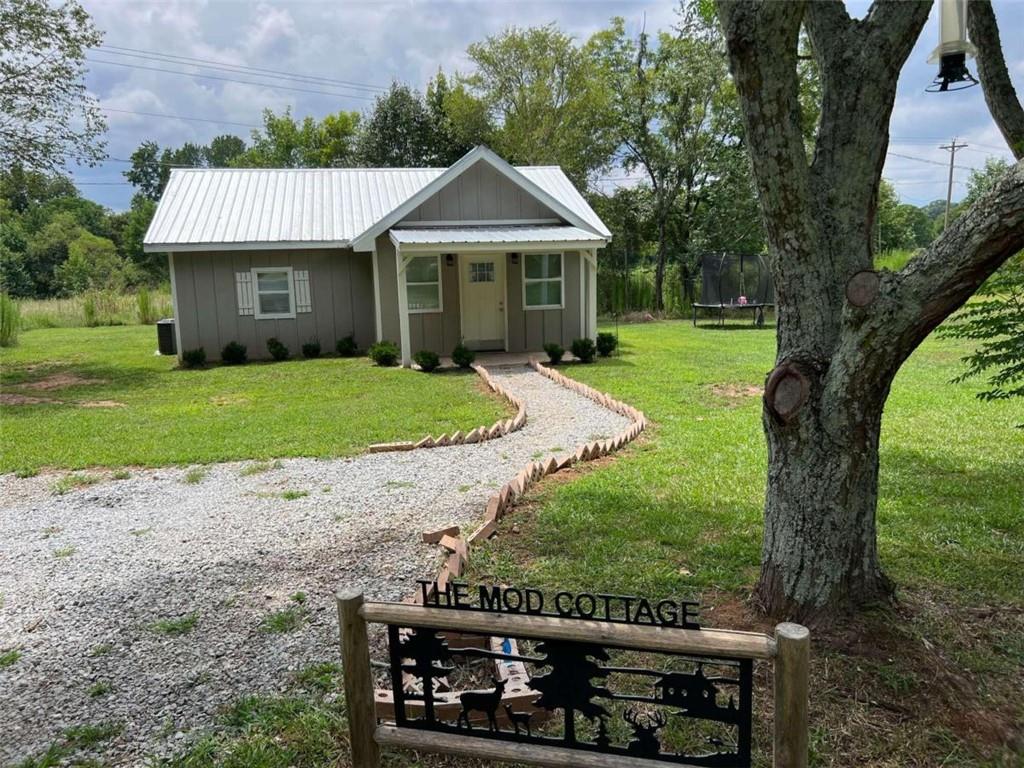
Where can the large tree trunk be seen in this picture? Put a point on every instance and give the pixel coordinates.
(843, 330)
(820, 544)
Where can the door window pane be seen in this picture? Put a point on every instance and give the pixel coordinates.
(481, 272)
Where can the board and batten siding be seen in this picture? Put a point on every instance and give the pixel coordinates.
(480, 194)
(340, 292)
(530, 329)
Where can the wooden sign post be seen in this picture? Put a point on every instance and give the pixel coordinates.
(571, 649)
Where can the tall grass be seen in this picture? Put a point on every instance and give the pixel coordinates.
(147, 310)
(619, 293)
(894, 259)
(10, 321)
(93, 309)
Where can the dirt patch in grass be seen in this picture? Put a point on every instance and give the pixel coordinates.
(9, 398)
(100, 404)
(735, 394)
(59, 381)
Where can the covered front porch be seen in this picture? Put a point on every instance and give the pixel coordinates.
(494, 288)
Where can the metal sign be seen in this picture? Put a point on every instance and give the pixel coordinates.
(693, 709)
(622, 609)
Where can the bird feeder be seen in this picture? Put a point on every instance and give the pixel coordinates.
(953, 49)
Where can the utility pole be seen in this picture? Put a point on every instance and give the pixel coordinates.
(952, 148)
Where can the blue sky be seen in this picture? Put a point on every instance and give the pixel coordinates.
(371, 43)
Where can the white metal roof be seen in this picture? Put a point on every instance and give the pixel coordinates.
(205, 209)
(497, 235)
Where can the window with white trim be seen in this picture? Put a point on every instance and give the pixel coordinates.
(274, 292)
(542, 281)
(423, 283)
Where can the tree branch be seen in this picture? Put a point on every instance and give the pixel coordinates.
(762, 42)
(933, 285)
(1000, 95)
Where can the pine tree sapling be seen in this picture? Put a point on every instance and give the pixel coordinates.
(277, 350)
(233, 353)
(584, 349)
(607, 343)
(427, 361)
(463, 356)
(311, 349)
(555, 352)
(385, 353)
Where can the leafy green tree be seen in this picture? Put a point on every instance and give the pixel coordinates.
(397, 133)
(547, 95)
(285, 143)
(222, 151)
(674, 115)
(135, 222)
(47, 116)
(458, 121)
(92, 264)
(48, 249)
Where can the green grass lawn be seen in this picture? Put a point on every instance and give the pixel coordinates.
(151, 413)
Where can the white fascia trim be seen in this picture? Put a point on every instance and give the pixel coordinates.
(255, 246)
(409, 224)
(481, 152)
(543, 247)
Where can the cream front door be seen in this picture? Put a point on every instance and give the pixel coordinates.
(483, 300)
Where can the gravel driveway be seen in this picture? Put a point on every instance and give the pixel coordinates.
(87, 577)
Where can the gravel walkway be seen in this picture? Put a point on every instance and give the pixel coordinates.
(86, 576)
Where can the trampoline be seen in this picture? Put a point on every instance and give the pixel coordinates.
(732, 281)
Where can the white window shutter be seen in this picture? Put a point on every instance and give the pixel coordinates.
(303, 303)
(243, 284)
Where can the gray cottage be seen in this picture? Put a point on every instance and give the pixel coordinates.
(487, 254)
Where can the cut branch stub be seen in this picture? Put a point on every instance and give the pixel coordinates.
(786, 391)
(862, 288)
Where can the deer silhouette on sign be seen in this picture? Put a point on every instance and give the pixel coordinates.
(519, 719)
(645, 741)
(482, 701)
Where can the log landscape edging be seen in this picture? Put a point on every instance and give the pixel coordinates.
(479, 434)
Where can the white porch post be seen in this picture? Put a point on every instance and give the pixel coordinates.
(592, 297)
(379, 324)
(403, 309)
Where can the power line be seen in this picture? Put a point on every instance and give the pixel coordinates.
(244, 69)
(179, 117)
(930, 162)
(272, 86)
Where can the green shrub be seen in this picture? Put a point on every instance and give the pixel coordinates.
(311, 349)
(385, 353)
(89, 310)
(555, 352)
(233, 353)
(10, 321)
(606, 343)
(463, 356)
(584, 350)
(277, 350)
(427, 361)
(347, 347)
(147, 309)
(194, 358)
